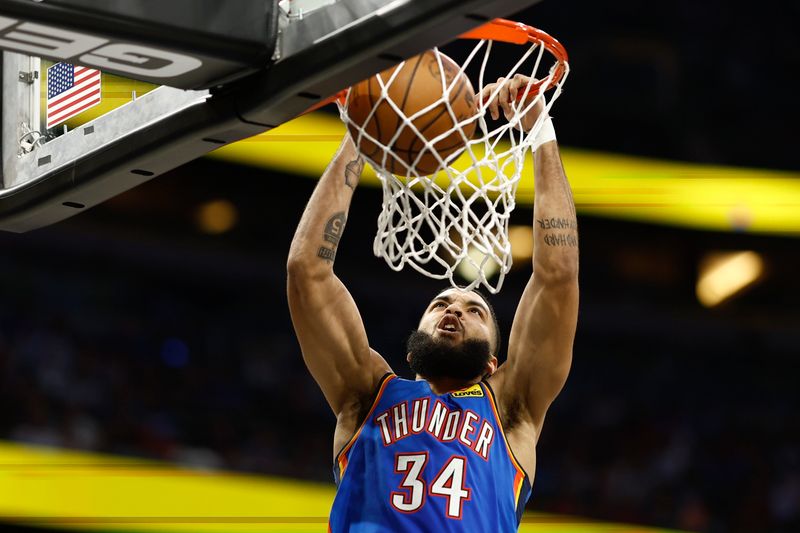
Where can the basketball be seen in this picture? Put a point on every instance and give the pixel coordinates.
(417, 86)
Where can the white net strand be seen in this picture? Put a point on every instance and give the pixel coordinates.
(459, 214)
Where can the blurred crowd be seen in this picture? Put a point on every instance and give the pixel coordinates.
(695, 430)
(124, 367)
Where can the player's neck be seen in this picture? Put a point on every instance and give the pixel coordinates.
(445, 385)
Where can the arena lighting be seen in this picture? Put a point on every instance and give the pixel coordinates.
(216, 217)
(468, 271)
(521, 239)
(724, 274)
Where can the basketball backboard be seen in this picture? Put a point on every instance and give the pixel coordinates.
(210, 73)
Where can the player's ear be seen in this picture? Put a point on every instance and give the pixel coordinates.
(491, 366)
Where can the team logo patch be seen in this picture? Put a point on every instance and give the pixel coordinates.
(473, 392)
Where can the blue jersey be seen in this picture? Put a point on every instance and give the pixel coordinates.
(428, 462)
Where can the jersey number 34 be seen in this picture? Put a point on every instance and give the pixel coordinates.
(448, 483)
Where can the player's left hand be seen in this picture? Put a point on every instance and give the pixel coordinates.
(506, 99)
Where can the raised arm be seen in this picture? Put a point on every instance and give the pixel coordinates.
(326, 320)
(542, 335)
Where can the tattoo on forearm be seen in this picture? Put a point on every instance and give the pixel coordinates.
(332, 234)
(561, 239)
(557, 223)
(569, 239)
(352, 172)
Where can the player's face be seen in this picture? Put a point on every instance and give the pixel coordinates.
(455, 316)
(454, 338)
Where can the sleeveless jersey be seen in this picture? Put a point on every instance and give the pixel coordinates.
(428, 462)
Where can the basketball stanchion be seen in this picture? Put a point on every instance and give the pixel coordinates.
(450, 173)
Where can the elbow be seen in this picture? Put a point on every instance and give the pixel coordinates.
(301, 271)
(295, 265)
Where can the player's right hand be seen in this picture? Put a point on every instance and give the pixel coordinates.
(510, 90)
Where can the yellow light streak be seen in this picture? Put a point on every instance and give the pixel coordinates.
(71, 490)
(604, 184)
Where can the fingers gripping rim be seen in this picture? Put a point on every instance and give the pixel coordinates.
(511, 32)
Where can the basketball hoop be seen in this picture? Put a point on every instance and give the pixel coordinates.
(460, 214)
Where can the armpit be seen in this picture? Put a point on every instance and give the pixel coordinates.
(512, 411)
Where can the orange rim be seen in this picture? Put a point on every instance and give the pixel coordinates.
(341, 97)
(508, 31)
(502, 30)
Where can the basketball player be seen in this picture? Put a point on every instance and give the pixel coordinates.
(454, 450)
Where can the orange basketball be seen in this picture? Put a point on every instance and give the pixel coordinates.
(416, 86)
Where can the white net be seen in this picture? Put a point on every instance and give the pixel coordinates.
(453, 223)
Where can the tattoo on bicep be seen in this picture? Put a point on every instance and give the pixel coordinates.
(332, 234)
(328, 254)
(334, 228)
(352, 172)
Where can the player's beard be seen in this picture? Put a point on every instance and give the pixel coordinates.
(433, 359)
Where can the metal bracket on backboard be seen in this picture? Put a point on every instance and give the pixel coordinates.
(28, 77)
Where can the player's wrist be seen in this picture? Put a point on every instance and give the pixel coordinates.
(546, 134)
(347, 149)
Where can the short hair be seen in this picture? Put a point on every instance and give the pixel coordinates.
(498, 339)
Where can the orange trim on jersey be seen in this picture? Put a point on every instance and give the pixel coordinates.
(518, 482)
(519, 478)
(341, 458)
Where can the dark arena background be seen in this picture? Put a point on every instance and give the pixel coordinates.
(150, 379)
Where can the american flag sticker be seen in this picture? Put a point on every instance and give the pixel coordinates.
(71, 89)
